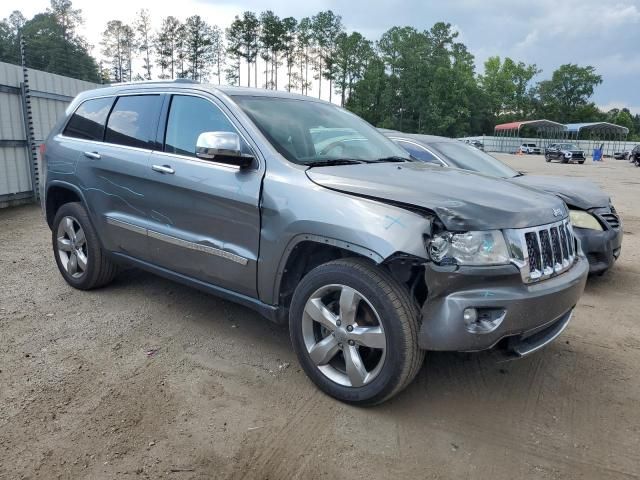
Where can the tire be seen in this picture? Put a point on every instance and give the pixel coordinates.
(547, 158)
(382, 305)
(581, 162)
(73, 235)
(565, 160)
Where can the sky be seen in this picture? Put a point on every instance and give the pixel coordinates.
(549, 33)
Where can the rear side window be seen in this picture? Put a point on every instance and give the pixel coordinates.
(188, 118)
(88, 120)
(133, 121)
(417, 152)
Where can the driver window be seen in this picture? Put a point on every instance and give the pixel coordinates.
(188, 118)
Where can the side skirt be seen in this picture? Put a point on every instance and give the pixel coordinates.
(271, 312)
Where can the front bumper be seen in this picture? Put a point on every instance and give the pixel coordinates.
(602, 248)
(527, 311)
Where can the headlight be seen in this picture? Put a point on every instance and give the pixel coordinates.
(582, 219)
(469, 248)
(568, 154)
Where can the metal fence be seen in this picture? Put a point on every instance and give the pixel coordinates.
(31, 101)
(511, 144)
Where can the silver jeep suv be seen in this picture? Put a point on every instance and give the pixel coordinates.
(305, 213)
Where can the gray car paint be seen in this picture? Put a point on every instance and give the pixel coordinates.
(578, 193)
(431, 187)
(252, 219)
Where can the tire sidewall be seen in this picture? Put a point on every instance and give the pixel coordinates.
(389, 376)
(78, 212)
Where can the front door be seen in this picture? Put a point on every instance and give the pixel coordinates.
(208, 218)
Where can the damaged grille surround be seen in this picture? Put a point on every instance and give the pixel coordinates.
(544, 251)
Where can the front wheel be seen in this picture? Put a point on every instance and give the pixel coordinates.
(547, 158)
(581, 162)
(354, 329)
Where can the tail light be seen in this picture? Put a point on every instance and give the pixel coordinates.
(43, 149)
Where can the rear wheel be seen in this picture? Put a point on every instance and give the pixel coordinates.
(354, 329)
(78, 253)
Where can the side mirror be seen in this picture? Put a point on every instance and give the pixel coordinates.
(223, 147)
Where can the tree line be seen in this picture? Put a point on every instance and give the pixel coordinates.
(411, 80)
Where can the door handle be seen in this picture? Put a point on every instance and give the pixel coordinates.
(163, 169)
(92, 155)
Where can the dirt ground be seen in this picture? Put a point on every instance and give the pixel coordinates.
(150, 379)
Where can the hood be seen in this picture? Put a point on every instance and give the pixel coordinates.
(578, 193)
(462, 200)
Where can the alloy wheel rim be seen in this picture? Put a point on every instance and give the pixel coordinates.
(344, 336)
(72, 247)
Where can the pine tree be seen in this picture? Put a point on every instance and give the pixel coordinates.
(117, 47)
(289, 26)
(144, 40)
(166, 44)
(218, 51)
(304, 41)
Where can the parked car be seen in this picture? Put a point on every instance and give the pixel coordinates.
(595, 220)
(530, 149)
(634, 156)
(549, 147)
(622, 155)
(371, 257)
(565, 152)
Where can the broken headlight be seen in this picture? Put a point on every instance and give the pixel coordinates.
(469, 248)
(582, 219)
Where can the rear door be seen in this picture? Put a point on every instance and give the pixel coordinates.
(115, 172)
(208, 225)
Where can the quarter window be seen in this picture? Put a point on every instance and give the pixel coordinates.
(133, 121)
(88, 120)
(417, 152)
(188, 118)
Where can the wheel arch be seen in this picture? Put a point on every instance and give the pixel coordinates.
(307, 251)
(57, 194)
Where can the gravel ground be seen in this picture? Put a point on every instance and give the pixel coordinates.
(149, 379)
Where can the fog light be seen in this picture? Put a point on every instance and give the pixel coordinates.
(483, 320)
(470, 315)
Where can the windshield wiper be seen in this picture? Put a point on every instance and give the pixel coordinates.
(391, 159)
(335, 161)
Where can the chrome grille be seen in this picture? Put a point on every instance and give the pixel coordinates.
(542, 252)
(547, 252)
(563, 241)
(533, 251)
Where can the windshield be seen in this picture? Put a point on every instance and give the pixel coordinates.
(460, 155)
(314, 133)
(569, 146)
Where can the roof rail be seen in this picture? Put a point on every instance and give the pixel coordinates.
(146, 82)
